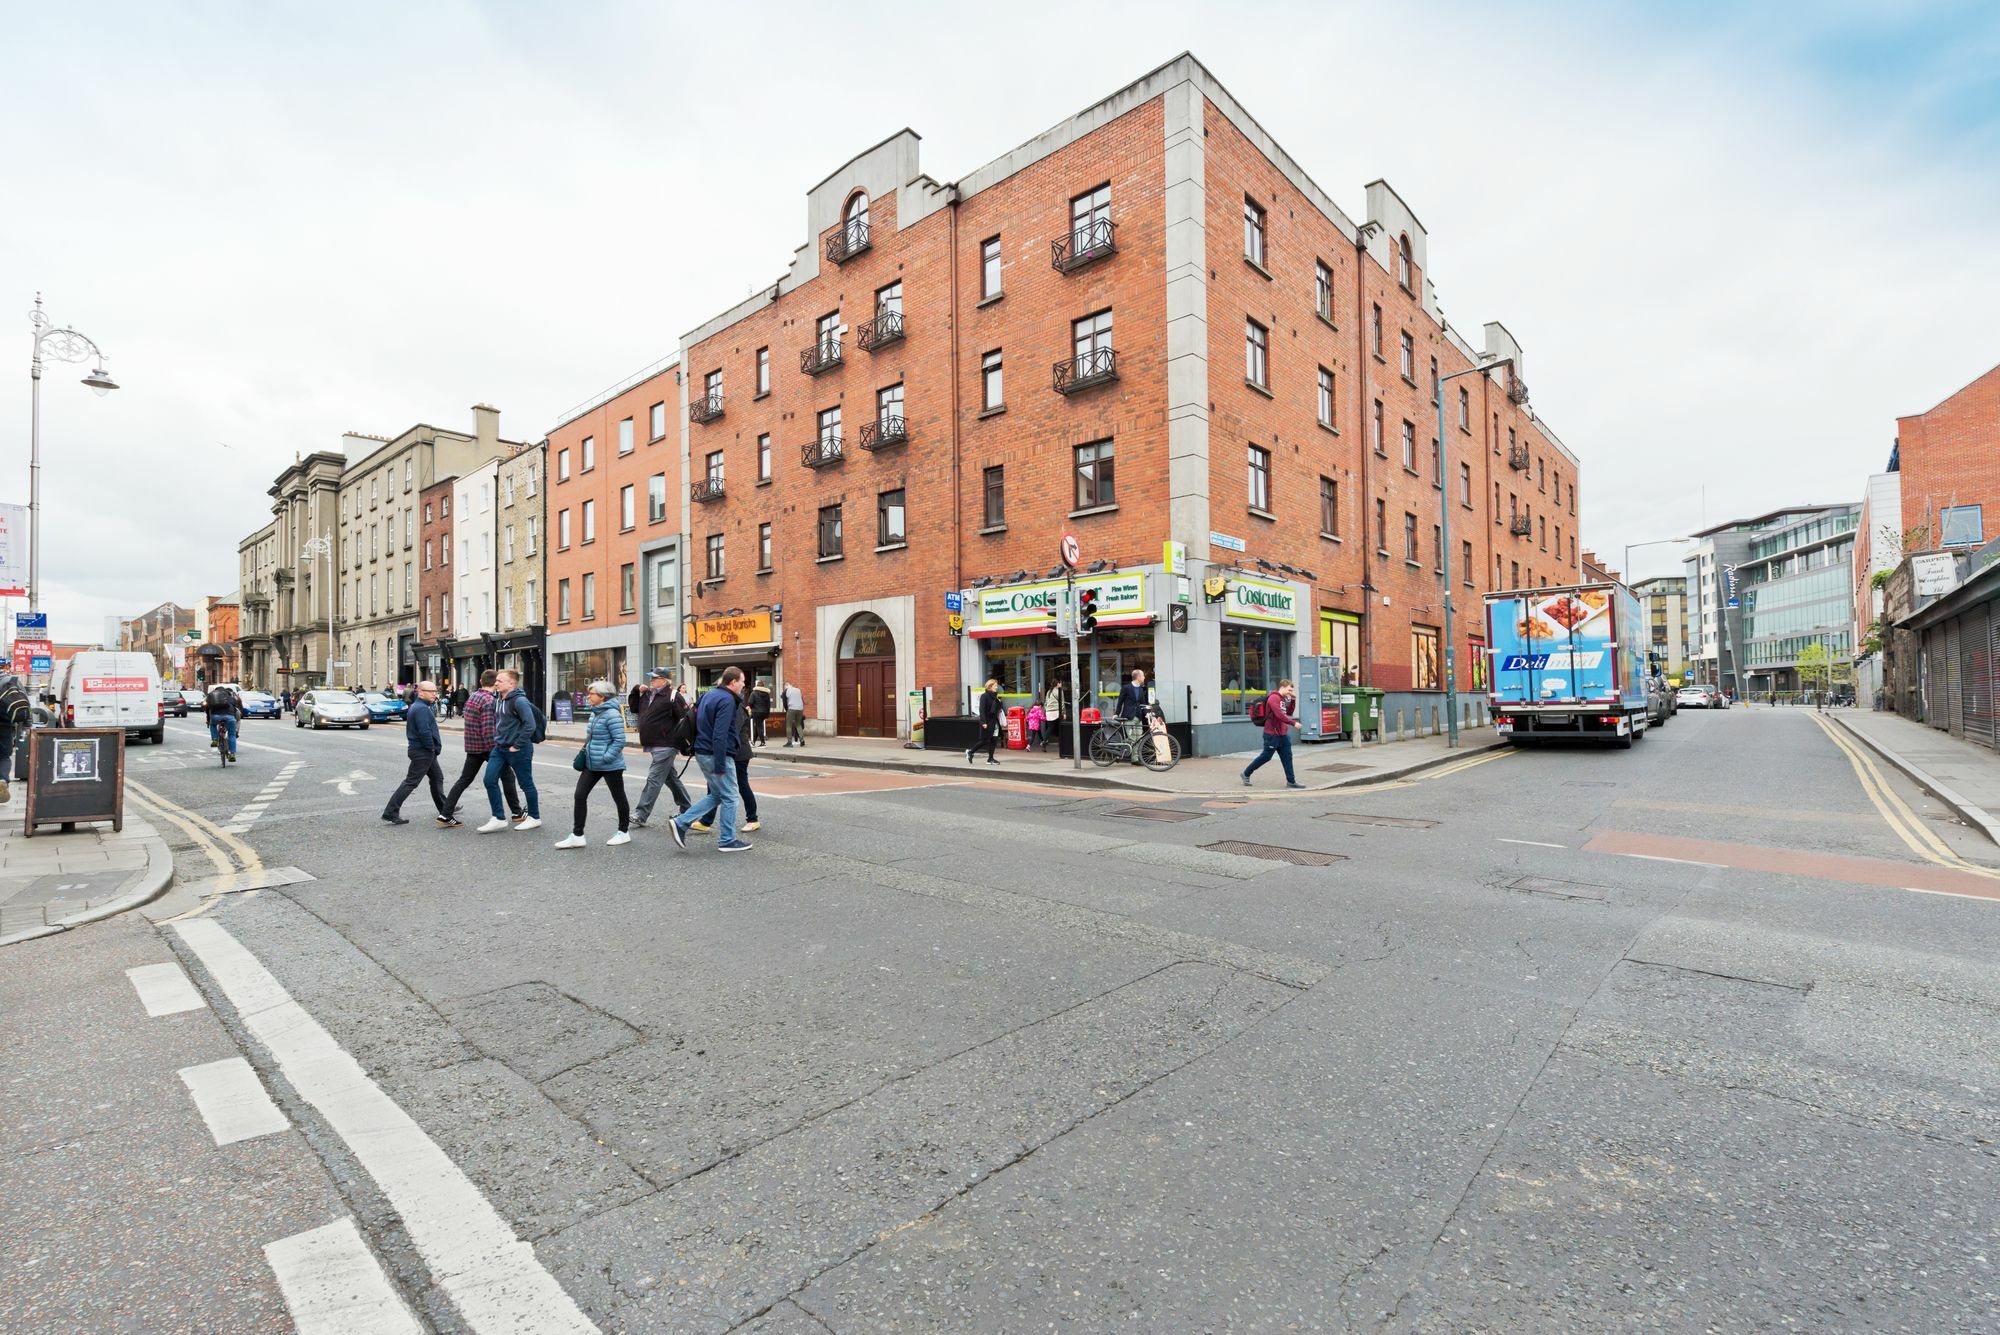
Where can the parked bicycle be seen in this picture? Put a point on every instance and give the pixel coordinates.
(1134, 739)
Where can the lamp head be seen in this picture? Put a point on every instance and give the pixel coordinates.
(100, 383)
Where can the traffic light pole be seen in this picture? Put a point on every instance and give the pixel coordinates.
(1075, 696)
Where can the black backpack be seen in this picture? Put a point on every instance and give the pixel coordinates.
(1260, 711)
(221, 699)
(15, 707)
(539, 730)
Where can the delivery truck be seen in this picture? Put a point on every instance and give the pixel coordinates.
(1567, 662)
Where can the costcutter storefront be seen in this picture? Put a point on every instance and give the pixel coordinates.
(1242, 636)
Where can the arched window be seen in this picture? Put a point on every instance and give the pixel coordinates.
(867, 637)
(1403, 259)
(857, 208)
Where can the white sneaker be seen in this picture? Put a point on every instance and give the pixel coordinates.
(619, 838)
(496, 823)
(531, 823)
(574, 841)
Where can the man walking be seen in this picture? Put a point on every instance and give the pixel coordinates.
(795, 714)
(480, 712)
(760, 710)
(1275, 713)
(17, 715)
(223, 708)
(514, 727)
(715, 743)
(660, 715)
(420, 731)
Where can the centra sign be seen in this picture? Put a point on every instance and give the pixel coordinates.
(1033, 606)
(1254, 600)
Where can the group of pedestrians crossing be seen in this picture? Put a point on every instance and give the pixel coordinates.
(502, 727)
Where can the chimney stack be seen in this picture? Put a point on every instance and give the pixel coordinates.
(486, 429)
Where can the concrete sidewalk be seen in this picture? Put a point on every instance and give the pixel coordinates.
(54, 882)
(1960, 774)
(1331, 765)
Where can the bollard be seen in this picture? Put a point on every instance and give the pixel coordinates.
(1434, 720)
(1402, 733)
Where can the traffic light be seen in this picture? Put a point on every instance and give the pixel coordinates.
(1086, 611)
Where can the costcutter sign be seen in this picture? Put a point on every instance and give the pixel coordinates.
(1033, 606)
(1255, 600)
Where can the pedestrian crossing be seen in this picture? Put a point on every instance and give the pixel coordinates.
(241, 822)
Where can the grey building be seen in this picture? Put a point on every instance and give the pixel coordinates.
(1761, 590)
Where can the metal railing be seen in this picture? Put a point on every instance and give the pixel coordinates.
(1517, 457)
(705, 407)
(880, 332)
(1084, 245)
(708, 489)
(821, 356)
(1092, 368)
(883, 432)
(1521, 526)
(1517, 389)
(822, 451)
(848, 240)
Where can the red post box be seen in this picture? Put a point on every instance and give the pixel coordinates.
(1017, 728)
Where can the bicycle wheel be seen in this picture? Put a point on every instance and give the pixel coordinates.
(1160, 751)
(1103, 750)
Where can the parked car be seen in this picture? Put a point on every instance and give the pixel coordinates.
(1659, 702)
(259, 704)
(1692, 697)
(102, 688)
(331, 709)
(383, 708)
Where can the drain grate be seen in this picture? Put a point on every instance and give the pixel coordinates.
(1298, 857)
(1389, 822)
(1156, 813)
(1543, 885)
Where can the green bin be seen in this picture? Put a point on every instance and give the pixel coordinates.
(1360, 712)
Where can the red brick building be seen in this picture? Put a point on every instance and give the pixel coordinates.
(1949, 461)
(434, 540)
(1147, 327)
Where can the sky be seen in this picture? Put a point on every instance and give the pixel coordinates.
(1735, 241)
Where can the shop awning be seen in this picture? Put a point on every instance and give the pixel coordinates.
(730, 653)
(1048, 627)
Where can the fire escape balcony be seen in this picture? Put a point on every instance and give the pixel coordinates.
(884, 432)
(705, 408)
(821, 356)
(1084, 245)
(822, 451)
(707, 489)
(1097, 367)
(1521, 526)
(1517, 389)
(1517, 457)
(880, 332)
(848, 240)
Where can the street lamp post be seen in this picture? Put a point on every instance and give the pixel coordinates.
(323, 546)
(1444, 543)
(62, 345)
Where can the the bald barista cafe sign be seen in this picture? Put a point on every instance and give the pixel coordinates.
(1033, 606)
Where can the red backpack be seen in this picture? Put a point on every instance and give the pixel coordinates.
(1260, 710)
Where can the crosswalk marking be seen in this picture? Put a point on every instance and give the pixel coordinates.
(241, 822)
(164, 990)
(232, 1100)
(334, 1286)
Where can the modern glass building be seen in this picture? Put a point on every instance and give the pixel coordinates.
(1761, 590)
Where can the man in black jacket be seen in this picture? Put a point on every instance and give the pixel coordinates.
(661, 710)
(420, 729)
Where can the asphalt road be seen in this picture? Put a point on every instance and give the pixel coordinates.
(1685, 1036)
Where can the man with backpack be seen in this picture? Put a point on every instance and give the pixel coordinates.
(716, 732)
(661, 712)
(481, 713)
(1274, 714)
(223, 707)
(17, 715)
(518, 725)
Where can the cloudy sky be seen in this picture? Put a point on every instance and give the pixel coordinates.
(1735, 240)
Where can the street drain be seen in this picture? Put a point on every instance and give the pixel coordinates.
(1298, 857)
(1337, 767)
(1391, 822)
(1543, 885)
(1156, 813)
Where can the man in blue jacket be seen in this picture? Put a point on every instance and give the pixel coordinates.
(513, 749)
(420, 730)
(715, 743)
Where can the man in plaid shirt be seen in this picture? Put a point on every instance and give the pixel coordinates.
(480, 715)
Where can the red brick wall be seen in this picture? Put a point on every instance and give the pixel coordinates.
(602, 484)
(434, 534)
(1951, 456)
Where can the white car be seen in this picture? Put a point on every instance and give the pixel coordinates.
(1693, 697)
(331, 709)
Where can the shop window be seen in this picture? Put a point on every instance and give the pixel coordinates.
(1475, 663)
(1423, 658)
(1340, 635)
(1254, 661)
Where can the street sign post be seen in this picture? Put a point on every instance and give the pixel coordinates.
(1072, 553)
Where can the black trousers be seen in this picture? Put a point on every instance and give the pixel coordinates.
(743, 793)
(988, 738)
(422, 768)
(475, 769)
(615, 781)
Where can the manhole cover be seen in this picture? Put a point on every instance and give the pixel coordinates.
(1298, 857)
(1156, 813)
(1390, 822)
(1543, 885)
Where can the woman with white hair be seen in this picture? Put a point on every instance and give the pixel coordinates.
(601, 759)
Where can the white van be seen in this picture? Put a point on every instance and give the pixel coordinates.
(102, 689)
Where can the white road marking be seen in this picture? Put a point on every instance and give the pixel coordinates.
(334, 1286)
(348, 780)
(1533, 843)
(164, 989)
(240, 743)
(493, 1278)
(231, 1099)
(241, 822)
(1685, 862)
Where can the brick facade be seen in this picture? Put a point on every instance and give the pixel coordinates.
(434, 577)
(1950, 456)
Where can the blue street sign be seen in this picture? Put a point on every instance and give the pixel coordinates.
(41, 663)
(31, 621)
(954, 602)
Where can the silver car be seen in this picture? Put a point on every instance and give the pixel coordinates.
(331, 709)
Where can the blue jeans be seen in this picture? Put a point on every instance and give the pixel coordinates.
(1278, 745)
(721, 797)
(224, 723)
(522, 763)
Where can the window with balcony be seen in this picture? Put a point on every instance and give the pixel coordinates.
(887, 326)
(890, 530)
(1095, 480)
(715, 570)
(831, 543)
(1092, 234)
(888, 428)
(712, 468)
(826, 447)
(1095, 361)
(1260, 479)
(1256, 354)
(824, 354)
(1253, 232)
(851, 237)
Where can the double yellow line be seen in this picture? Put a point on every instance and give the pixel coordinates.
(230, 856)
(1909, 826)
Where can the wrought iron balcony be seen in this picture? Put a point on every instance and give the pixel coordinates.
(821, 356)
(708, 489)
(1517, 388)
(705, 407)
(848, 240)
(880, 332)
(822, 451)
(1521, 526)
(884, 432)
(1517, 457)
(1084, 245)
(1092, 368)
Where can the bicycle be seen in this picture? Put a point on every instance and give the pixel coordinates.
(1133, 739)
(218, 737)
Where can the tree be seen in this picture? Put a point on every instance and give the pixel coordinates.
(1820, 669)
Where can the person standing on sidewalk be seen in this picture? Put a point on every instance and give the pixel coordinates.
(660, 716)
(602, 759)
(1275, 713)
(795, 714)
(17, 715)
(989, 723)
(715, 743)
(760, 713)
(420, 730)
(479, 712)
(516, 722)
(224, 709)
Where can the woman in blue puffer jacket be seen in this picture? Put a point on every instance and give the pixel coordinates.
(602, 758)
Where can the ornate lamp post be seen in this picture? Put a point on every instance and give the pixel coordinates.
(318, 547)
(62, 345)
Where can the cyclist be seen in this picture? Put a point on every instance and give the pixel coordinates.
(223, 707)
(1135, 703)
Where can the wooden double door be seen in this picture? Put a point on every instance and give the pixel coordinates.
(866, 688)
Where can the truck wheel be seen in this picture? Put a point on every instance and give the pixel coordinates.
(1625, 742)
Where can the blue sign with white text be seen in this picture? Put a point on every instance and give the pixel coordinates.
(41, 663)
(954, 602)
(31, 621)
